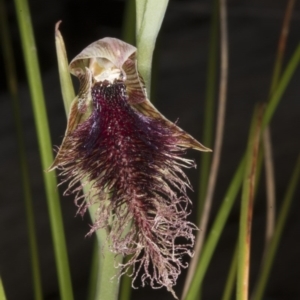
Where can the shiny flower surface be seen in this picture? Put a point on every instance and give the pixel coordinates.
(132, 157)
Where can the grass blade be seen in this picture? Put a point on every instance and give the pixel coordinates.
(273, 246)
(223, 213)
(247, 207)
(269, 166)
(217, 145)
(281, 87)
(215, 232)
(10, 71)
(211, 83)
(231, 278)
(45, 146)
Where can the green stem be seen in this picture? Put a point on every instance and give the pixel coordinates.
(281, 87)
(45, 147)
(231, 278)
(247, 207)
(107, 282)
(273, 246)
(209, 106)
(10, 71)
(216, 230)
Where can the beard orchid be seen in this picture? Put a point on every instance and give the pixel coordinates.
(131, 157)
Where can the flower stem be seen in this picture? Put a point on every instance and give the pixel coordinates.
(107, 281)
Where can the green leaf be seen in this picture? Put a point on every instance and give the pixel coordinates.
(45, 147)
(10, 71)
(247, 206)
(149, 17)
(208, 126)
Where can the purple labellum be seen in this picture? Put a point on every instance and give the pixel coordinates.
(132, 157)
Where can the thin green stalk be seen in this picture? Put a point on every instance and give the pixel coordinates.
(107, 281)
(264, 274)
(10, 71)
(235, 184)
(247, 207)
(45, 146)
(231, 278)
(209, 105)
(281, 87)
(270, 178)
(218, 142)
(215, 232)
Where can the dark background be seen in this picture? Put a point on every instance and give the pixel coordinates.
(254, 28)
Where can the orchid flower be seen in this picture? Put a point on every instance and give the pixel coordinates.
(131, 157)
